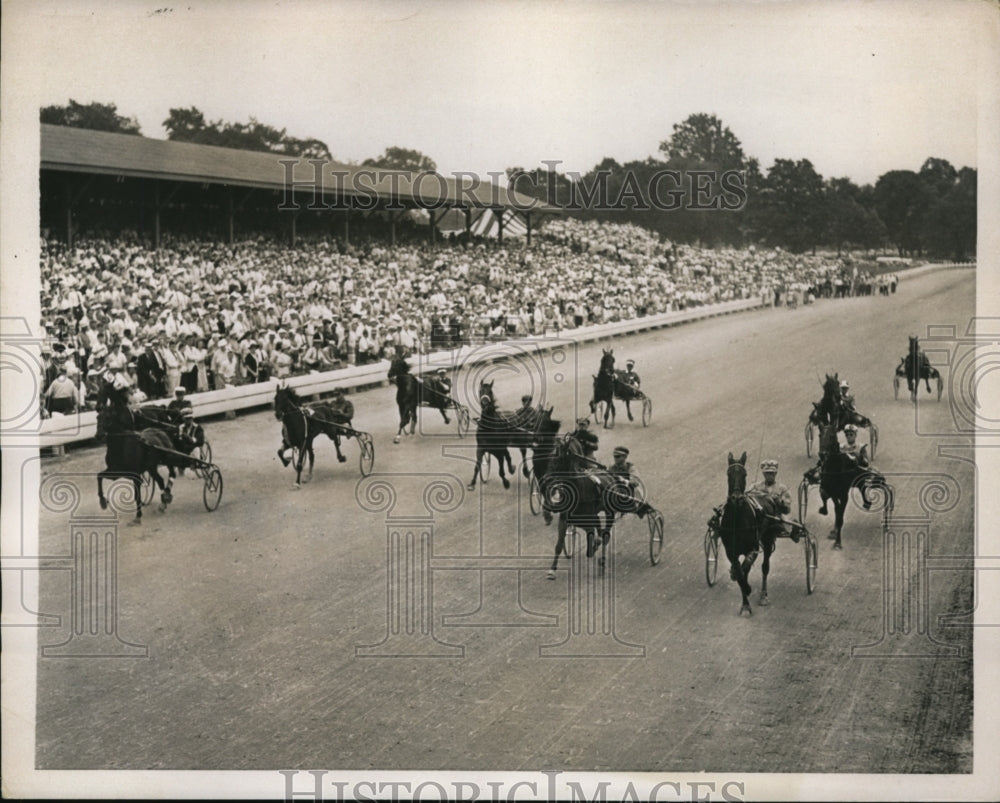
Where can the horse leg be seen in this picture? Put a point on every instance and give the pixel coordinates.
(765, 567)
(312, 460)
(444, 414)
(476, 471)
(336, 445)
(560, 543)
(100, 490)
(628, 409)
(298, 467)
(413, 420)
(839, 506)
(745, 588)
(281, 455)
(137, 490)
(524, 461)
(501, 457)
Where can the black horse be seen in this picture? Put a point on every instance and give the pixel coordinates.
(495, 433)
(914, 367)
(745, 532)
(185, 436)
(413, 391)
(604, 388)
(132, 452)
(302, 423)
(837, 473)
(836, 410)
(577, 489)
(523, 424)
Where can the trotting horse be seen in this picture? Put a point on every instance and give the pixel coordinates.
(494, 434)
(131, 453)
(588, 500)
(837, 473)
(604, 388)
(744, 530)
(412, 391)
(301, 424)
(914, 367)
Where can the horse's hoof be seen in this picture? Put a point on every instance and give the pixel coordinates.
(822, 510)
(867, 505)
(551, 575)
(296, 487)
(471, 486)
(630, 417)
(396, 439)
(104, 503)
(506, 483)
(446, 420)
(162, 508)
(134, 523)
(838, 545)
(745, 607)
(547, 518)
(763, 601)
(341, 458)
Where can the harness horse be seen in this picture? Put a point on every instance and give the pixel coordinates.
(914, 367)
(834, 410)
(302, 423)
(604, 389)
(413, 392)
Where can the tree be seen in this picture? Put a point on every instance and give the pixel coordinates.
(703, 138)
(902, 200)
(395, 158)
(791, 205)
(189, 125)
(850, 221)
(94, 116)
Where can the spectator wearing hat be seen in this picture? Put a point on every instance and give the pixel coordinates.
(62, 396)
(281, 360)
(314, 359)
(172, 360)
(770, 488)
(223, 363)
(255, 364)
(151, 373)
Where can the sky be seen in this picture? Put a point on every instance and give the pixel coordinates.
(856, 88)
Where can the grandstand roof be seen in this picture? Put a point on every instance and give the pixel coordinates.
(82, 151)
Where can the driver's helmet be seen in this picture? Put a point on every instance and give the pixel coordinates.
(526, 399)
(850, 429)
(583, 422)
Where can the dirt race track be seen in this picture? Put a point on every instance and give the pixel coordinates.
(281, 633)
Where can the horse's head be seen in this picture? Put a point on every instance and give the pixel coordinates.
(828, 443)
(285, 400)
(608, 361)
(914, 342)
(486, 389)
(736, 475)
(398, 367)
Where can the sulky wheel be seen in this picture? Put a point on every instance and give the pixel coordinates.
(462, 419)
(940, 386)
(569, 540)
(809, 438)
(366, 457)
(535, 498)
(212, 493)
(205, 452)
(873, 438)
(895, 387)
(599, 412)
(647, 410)
(655, 521)
(812, 561)
(485, 466)
(711, 556)
(803, 499)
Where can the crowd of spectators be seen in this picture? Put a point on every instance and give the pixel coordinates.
(206, 315)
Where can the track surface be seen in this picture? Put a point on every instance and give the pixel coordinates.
(253, 614)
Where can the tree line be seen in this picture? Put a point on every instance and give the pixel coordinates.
(682, 193)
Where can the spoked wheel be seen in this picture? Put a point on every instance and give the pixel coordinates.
(803, 499)
(367, 455)
(655, 521)
(812, 561)
(940, 386)
(809, 438)
(205, 452)
(148, 489)
(462, 418)
(647, 410)
(873, 438)
(212, 493)
(895, 387)
(535, 499)
(485, 467)
(711, 557)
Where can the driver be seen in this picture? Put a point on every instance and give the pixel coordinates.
(627, 483)
(588, 441)
(857, 453)
(779, 496)
(630, 377)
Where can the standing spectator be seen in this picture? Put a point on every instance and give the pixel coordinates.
(62, 396)
(223, 365)
(151, 374)
(256, 366)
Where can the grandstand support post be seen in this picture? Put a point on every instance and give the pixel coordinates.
(433, 225)
(527, 222)
(295, 217)
(499, 214)
(229, 215)
(347, 225)
(468, 224)
(69, 211)
(156, 216)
